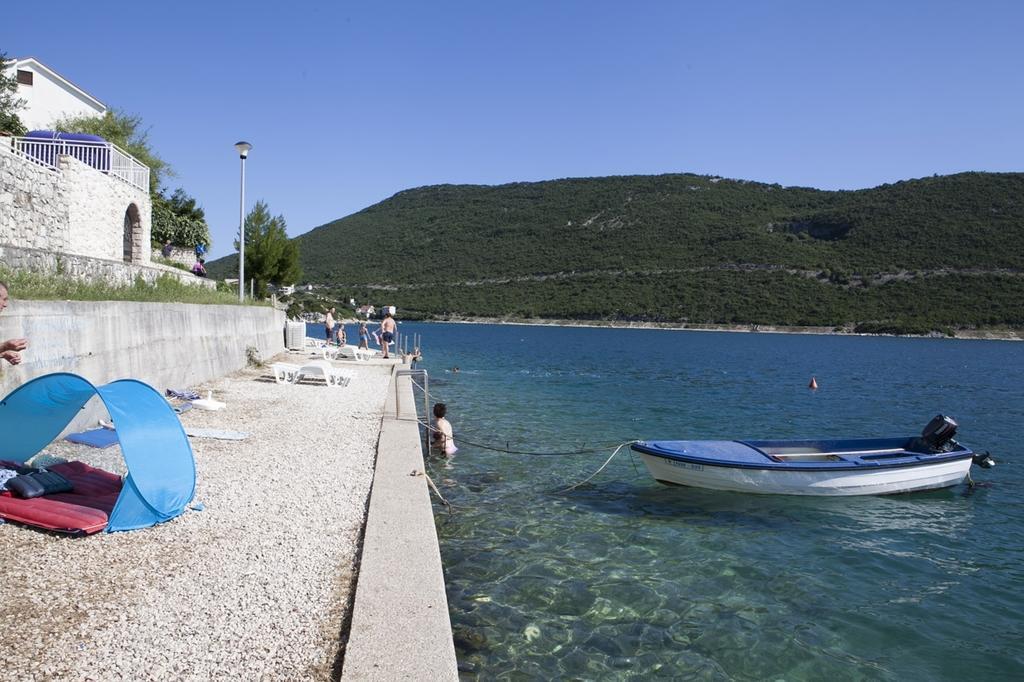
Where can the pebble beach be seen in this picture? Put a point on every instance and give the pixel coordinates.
(256, 585)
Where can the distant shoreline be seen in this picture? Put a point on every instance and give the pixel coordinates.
(977, 334)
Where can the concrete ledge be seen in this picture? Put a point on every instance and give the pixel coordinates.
(400, 626)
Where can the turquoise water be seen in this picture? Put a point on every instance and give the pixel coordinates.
(626, 579)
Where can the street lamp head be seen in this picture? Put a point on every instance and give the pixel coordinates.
(243, 149)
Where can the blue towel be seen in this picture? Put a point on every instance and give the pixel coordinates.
(97, 438)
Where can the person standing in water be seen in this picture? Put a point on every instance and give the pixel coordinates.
(387, 332)
(442, 438)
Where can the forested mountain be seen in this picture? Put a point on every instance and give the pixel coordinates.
(937, 252)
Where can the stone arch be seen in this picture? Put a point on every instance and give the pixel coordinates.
(132, 235)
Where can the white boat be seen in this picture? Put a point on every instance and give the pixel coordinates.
(855, 466)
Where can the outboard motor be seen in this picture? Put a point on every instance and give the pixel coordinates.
(984, 460)
(939, 432)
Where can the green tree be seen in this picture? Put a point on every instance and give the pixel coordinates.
(179, 219)
(10, 103)
(270, 257)
(126, 131)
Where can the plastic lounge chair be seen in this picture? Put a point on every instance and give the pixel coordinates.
(349, 352)
(284, 373)
(331, 353)
(322, 369)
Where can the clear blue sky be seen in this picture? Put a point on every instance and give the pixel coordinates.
(347, 103)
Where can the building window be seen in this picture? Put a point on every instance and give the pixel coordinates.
(24, 77)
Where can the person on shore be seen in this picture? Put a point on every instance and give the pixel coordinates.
(387, 332)
(342, 336)
(10, 350)
(199, 268)
(167, 249)
(364, 336)
(329, 326)
(442, 437)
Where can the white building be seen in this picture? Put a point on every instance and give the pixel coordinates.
(48, 95)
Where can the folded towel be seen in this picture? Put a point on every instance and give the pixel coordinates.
(182, 394)
(97, 438)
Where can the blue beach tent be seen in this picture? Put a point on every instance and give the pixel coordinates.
(161, 471)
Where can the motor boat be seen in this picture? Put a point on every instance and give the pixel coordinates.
(852, 466)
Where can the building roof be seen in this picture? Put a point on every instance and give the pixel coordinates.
(39, 66)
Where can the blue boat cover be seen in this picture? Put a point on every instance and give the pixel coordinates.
(161, 470)
(60, 135)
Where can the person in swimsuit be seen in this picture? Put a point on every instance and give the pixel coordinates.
(364, 336)
(442, 438)
(387, 332)
(329, 326)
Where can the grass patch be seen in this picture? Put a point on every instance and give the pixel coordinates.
(166, 289)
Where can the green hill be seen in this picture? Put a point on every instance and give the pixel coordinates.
(933, 253)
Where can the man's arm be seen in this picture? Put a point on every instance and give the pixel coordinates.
(13, 344)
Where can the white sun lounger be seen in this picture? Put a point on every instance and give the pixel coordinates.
(348, 352)
(322, 369)
(284, 372)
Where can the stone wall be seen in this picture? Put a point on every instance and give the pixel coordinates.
(179, 254)
(83, 268)
(78, 210)
(107, 217)
(33, 211)
(167, 345)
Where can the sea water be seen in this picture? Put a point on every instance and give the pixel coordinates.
(625, 578)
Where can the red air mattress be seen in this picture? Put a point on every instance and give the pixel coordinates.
(83, 511)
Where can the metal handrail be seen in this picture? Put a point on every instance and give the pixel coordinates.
(105, 157)
(419, 371)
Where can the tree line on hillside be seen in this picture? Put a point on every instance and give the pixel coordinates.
(938, 252)
(467, 233)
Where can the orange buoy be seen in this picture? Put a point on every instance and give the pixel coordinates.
(813, 385)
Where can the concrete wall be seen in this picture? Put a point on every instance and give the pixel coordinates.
(79, 210)
(167, 345)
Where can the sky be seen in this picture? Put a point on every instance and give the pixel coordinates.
(347, 103)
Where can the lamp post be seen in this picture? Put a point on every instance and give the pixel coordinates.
(243, 151)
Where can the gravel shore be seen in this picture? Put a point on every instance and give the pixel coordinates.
(255, 586)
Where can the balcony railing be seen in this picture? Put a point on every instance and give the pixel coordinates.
(103, 156)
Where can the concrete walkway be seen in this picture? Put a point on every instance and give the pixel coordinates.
(400, 625)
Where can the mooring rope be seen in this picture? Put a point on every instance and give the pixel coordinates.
(585, 480)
